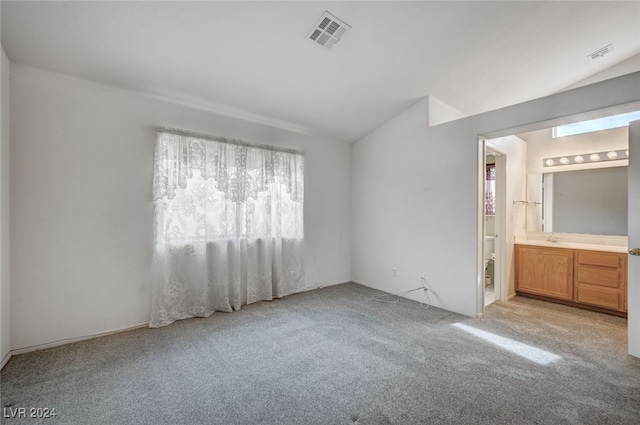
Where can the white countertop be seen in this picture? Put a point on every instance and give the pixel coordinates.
(573, 241)
(569, 245)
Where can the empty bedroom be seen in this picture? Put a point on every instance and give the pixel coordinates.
(230, 212)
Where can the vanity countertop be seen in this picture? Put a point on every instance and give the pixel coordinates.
(570, 241)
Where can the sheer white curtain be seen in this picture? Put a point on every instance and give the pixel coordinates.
(229, 226)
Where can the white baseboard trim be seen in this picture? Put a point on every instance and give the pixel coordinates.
(5, 360)
(359, 282)
(382, 290)
(385, 291)
(510, 297)
(75, 339)
(318, 285)
(52, 344)
(58, 343)
(65, 341)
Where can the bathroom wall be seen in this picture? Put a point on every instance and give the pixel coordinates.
(540, 144)
(489, 225)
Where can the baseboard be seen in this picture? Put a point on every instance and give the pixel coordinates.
(318, 285)
(386, 291)
(75, 339)
(510, 297)
(359, 282)
(116, 331)
(5, 360)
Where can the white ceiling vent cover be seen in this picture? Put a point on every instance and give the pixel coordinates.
(328, 30)
(600, 52)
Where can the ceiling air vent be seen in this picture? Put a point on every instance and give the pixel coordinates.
(600, 52)
(328, 30)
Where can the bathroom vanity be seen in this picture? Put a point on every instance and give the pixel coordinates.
(574, 271)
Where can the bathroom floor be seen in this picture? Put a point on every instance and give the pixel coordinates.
(489, 294)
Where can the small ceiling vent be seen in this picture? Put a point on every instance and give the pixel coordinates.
(328, 31)
(600, 52)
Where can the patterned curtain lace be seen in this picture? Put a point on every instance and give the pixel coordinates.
(228, 226)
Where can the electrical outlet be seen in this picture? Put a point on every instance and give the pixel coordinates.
(423, 279)
(394, 271)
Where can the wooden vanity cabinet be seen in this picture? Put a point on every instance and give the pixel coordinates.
(601, 279)
(589, 279)
(545, 271)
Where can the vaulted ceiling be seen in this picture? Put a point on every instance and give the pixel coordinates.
(252, 59)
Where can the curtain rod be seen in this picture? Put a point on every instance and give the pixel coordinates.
(180, 132)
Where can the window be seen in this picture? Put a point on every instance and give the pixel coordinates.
(211, 190)
(490, 190)
(606, 123)
(229, 225)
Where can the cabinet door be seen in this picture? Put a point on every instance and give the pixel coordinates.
(601, 279)
(545, 271)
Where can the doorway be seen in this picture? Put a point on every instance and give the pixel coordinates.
(633, 272)
(494, 208)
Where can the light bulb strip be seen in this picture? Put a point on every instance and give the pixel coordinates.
(586, 158)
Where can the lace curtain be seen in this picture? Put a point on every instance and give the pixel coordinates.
(490, 190)
(229, 226)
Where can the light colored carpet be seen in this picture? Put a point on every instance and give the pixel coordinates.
(335, 356)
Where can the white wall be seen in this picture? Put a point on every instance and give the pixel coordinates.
(421, 214)
(82, 228)
(515, 150)
(540, 145)
(440, 112)
(5, 290)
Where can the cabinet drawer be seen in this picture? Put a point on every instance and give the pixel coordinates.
(595, 280)
(599, 259)
(601, 277)
(601, 297)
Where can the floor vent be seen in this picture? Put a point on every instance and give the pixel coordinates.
(600, 52)
(328, 30)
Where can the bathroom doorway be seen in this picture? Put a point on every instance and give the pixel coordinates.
(518, 196)
(494, 209)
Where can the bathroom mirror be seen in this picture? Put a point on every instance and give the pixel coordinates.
(591, 201)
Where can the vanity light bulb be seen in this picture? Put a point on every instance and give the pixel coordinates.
(550, 162)
(578, 159)
(612, 155)
(594, 157)
(564, 160)
(626, 152)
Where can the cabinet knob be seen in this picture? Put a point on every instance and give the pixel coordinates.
(634, 251)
